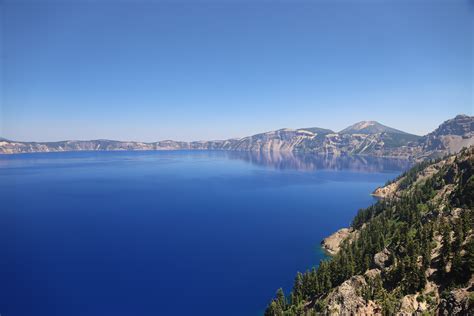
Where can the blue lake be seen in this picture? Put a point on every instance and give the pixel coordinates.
(169, 233)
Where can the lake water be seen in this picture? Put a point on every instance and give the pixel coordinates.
(169, 233)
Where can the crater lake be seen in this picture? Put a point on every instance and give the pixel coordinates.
(169, 232)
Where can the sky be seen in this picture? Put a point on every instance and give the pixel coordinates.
(201, 70)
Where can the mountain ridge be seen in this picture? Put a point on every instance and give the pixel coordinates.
(372, 139)
(370, 127)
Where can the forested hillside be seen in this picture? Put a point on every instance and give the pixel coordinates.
(410, 253)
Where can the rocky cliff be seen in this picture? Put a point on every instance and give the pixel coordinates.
(332, 244)
(364, 138)
(450, 136)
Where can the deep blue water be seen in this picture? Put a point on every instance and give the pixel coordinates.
(168, 233)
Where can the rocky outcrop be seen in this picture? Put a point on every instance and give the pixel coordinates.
(332, 243)
(372, 273)
(347, 300)
(411, 305)
(457, 302)
(382, 259)
(386, 191)
(450, 137)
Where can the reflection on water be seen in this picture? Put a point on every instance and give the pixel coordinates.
(278, 160)
(80, 219)
(300, 161)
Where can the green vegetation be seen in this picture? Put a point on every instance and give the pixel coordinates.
(393, 140)
(404, 227)
(408, 177)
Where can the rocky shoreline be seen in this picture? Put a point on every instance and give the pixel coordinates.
(380, 268)
(332, 243)
(386, 191)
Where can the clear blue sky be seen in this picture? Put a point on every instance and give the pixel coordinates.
(191, 70)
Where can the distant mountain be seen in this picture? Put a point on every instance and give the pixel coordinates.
(281, 140)
(450, 137)
(366, 138)
(369, 127)
(461, 125)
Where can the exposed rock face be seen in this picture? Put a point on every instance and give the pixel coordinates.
(372, 273)
(346, 299)
(386, 191)
(379, 144)
(449, 137)
(392, 189)
(285, 140)
(456, 303)
(411, 306)
(281, 140)
(369, 127)
(382, 259)
(364, 138)
(332, 243)
(11, 147)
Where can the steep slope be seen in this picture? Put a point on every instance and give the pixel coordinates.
(369, 127)
(449, 137)
(280, 140)
(380, 145)
(364, 138)
(11, 147)
(410, 253)
(377, 139)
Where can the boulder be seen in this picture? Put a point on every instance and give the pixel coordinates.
(372, 273)
(382, 259)
(346, 299)
(409, 305)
